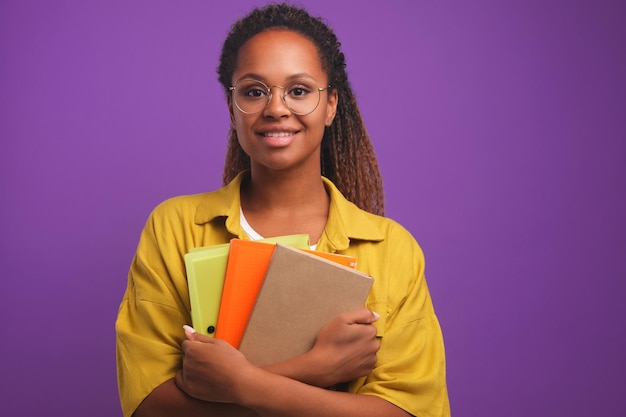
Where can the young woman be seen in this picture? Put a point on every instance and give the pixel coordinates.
(299, 161)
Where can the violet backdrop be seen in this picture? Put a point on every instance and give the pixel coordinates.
(500, 128)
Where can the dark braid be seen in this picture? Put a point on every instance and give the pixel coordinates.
(348, 158)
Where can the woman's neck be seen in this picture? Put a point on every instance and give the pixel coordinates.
(280, 204)
(269, 191)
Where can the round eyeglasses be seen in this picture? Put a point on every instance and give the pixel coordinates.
(253, 96)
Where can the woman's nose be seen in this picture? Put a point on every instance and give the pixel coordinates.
(276, 107)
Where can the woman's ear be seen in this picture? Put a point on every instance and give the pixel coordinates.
(331, 107)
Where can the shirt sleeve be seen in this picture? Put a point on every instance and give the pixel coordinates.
(411, 370)
(151, 315)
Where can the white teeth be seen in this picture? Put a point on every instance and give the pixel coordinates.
(277, 134)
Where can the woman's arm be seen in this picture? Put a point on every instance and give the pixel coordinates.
(278, 396)
(215, 371)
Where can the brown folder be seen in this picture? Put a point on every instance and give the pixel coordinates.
(300, 294)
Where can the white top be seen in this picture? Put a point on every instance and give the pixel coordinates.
(252, 234)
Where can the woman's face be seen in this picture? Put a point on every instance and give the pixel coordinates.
(276, 138)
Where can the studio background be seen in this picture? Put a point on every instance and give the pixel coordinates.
(500, 130)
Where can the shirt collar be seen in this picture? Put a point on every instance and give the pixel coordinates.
(224, 202)
(345, 220)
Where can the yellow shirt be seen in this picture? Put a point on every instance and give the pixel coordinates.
(410, 371)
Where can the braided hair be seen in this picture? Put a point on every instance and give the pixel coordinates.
(347, 155)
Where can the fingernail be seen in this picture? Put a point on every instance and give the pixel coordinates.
(189, 329)
(376, 315)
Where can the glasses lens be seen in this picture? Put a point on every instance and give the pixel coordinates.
(251, 96)
(302, 97)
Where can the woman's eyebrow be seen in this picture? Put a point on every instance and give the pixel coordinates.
(249, 75)
(301, 75)
(254, 76)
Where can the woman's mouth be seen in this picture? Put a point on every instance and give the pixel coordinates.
(278, 139)
(277, 134)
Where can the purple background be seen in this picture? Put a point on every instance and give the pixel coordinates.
(500, 128)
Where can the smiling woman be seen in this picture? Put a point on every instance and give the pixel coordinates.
(299, 162)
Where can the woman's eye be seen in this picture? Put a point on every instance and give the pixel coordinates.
(299, 91)
(255, 92)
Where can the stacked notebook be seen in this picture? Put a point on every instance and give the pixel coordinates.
(271, 298)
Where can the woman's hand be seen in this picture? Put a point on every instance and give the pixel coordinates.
(211, 368)
(345, 349)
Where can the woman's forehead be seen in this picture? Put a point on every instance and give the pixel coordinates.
(279, 53)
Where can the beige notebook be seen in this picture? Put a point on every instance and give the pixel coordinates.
(300, 294)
